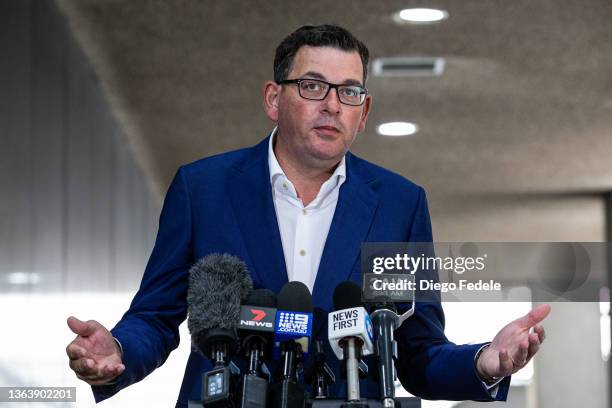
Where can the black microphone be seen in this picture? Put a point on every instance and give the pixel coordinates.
(256, 329)
(293, 321)
(217, 285)
(350, 335)
(386, 321)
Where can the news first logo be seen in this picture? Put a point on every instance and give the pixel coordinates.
(293, 323)
(350, 323)
(350, 319)
(345, 319)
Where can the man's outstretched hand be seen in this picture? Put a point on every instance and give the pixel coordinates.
(513, 346)
(94, 354)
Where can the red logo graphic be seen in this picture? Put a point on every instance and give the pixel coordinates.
(259, 314)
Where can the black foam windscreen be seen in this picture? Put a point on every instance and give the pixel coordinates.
(347, 295)
(261, 298)
(295, 297)
(217, 285)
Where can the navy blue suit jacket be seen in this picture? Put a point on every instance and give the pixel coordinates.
(224, 204)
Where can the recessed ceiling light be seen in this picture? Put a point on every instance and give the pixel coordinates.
(421, 15)
(23, 278)
(397, 129)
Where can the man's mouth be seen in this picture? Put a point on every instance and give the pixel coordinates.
(328, 128)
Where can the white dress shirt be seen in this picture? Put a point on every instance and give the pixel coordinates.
(303, 230)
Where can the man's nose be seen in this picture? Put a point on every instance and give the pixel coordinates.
(331, 103)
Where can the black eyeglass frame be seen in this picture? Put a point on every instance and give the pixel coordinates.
(330, 87)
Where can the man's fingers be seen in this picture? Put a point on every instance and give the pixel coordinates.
(75, 352)
(111, 371)
(533, 339)
(535, 316)
(539, 330)
(101, 374)
(505, 362)
(520, 357)
(534, 346)
(82, 328)
(83, 366)
(93, 381)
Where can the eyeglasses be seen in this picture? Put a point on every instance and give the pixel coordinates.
(317, 90)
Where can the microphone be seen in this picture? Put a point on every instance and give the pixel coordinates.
(256, 328)
(350, 334)
(217, 284)
(386, 321)
(293, 321)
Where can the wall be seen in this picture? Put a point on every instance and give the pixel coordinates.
(74, 205)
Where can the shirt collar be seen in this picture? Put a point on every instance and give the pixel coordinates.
(276, 170)
(273, 165)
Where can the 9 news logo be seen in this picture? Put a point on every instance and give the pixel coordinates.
(292, 322)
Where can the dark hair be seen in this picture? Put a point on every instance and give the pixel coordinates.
(325, 35)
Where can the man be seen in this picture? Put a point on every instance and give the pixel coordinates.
(296, 207)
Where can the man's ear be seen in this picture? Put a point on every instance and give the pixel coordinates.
(271, 94)
(367, 105)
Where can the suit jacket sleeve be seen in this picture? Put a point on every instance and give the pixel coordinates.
(148, 331)
(428, 364)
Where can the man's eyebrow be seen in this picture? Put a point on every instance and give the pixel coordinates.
(317, 75)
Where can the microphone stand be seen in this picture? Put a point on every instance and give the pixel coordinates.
(288, 393)
(254, 390)
(320, 376)
(217, 390)
(351, 350)
(386, 321)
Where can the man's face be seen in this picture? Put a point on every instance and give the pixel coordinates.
(319, 133)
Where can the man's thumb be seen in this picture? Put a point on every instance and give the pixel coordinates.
(80, 327)
(535, 316)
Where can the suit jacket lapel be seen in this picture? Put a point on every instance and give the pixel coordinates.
(354, 213)
(251, 198)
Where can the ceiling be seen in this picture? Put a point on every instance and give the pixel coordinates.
(515, 139)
